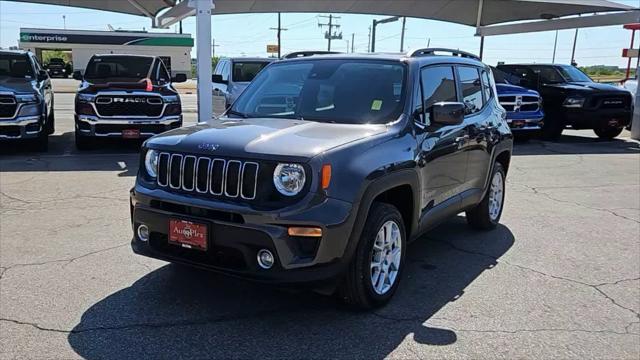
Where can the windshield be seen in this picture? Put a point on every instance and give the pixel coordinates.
(327, 90)
(244, 71)
(56, 61)
(572, 73)
(15, 65)
(502, 77)
(118, 67)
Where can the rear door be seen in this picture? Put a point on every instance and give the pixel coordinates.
(442, 159)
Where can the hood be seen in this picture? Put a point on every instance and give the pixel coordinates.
(263, 137)
(16, 85)
(587, 86)
(508, 89)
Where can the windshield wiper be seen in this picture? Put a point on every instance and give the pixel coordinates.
(237, 113)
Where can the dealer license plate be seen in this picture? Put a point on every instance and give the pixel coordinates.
(188, 234)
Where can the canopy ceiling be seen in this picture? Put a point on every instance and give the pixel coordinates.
(456, 11)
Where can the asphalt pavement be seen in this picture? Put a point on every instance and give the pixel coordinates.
(560, 278)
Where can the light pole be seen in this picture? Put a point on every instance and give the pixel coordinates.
(555, 45)
(64, 21)
(373, 29)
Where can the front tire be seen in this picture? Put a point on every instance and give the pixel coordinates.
(375, 270)
(486, 215)
(607, 132)
(51, 120)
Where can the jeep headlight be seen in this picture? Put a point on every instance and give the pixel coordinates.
(289, 179)
(27, 98)
(573, 102)
(151, 163)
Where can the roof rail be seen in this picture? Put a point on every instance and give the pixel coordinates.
(432, 52)
(299, 54)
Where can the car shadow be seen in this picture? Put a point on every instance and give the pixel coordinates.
(107, 155)
(177, 312)
(576, 145)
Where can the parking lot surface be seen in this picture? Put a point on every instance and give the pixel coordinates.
(560, 278)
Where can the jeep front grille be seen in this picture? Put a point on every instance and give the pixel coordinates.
(208, 176)
(8, 107)
(123, 105)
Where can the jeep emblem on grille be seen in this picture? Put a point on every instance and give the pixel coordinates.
(208, 146)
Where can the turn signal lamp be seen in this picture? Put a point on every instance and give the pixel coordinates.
(326, 176)
(305, 231)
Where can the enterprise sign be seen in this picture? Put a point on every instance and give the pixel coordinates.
(111, 39)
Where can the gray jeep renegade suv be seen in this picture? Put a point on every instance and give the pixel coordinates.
(325, 168)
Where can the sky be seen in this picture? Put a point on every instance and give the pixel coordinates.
(249, 34)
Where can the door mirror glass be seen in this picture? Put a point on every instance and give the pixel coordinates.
(179, 78)
(447, 113)
(217, 78)
(42, 75)
(77, 75)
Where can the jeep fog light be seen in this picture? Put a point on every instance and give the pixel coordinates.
(151, 163)
(289, 179)
(265, 259)
(143, 233)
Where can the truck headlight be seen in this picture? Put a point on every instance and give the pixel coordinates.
(85, 97)
(30, 110)
(573, 102)
(27, 98)
(151, 163)
(289, 179)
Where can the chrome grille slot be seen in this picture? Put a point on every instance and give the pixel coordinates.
(204, 175)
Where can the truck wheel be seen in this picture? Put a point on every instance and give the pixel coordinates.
(486, 215)
(607, 132)
(51, 120)
(82, 142)
(375, 270)
(552, 129)
(41, 143)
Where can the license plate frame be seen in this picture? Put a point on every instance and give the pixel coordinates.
(131, 133)
(188, 234)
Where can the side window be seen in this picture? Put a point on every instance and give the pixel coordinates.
(471, 89)
(486, 86)
(225, 70)
(36, 63)
(438, 85)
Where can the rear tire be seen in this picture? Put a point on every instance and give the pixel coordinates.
(607, 132)
(486, 215)
(381, 251)
(82, 142)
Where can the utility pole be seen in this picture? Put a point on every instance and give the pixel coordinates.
(352, 41)
(64, 21)
(369, 41)
(180, 26)
(555, 45)
(330, 34)
(373, 29)
(213, 47)
(279, 29)
(573, 52)
(404, 21)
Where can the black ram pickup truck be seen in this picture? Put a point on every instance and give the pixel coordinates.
(325, 168)
(571, 98)
(125, 96)
(26, 100)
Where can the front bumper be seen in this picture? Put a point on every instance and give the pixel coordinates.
(525, 125)
(25, 127)
(90, 125)
(237, 232)
(592, 118)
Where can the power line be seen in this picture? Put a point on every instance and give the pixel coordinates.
(330, 34)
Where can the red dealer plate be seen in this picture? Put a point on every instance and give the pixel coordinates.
(188, 234)
(131, 133)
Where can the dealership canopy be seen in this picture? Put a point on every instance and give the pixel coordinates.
(490, 17)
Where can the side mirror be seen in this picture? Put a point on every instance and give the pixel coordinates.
(217, 78)
(179, 78)
(447, 113)
(77, 75)
(43, 75)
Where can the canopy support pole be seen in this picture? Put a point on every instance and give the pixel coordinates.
(203, 38)
(478, 24)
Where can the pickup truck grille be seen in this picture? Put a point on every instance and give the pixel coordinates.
(127, 105)
(208, 176)
(8, 106)
(520, 103)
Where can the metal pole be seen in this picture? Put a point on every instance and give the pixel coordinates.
(373, 37)
(633, 35)
(555, 45)
(481, 47)
(352, 40)
(203, 34)
(330, 33)
(279, 35)
(64, 21)
(404, 20)
(573, 52)
(180, 26)
(369, 41)
(213, 48)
